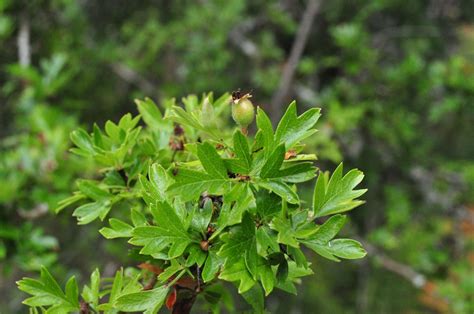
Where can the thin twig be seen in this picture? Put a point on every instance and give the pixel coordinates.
(289, 68)
(198, 274)
(429, 297)
(417, 279)
(131, 76)
(238, 38)
(36, 212)
(23, 42)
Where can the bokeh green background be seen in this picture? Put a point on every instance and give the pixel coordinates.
(394, 79)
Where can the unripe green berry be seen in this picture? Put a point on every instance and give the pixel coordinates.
(243, 111)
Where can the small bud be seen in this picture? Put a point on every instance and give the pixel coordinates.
(290, 154)
(210, 230)
(204, 245)
(178, 130)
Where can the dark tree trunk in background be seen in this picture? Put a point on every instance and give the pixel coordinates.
(289, 68)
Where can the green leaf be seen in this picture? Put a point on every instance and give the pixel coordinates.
(211, 161)
(297, 173)
(235, 203)
(150, 193)
(179, 115)
(266, 241)
(337, 194)
(211, 266)
(196, 256)
(50, 283)
(208, 116)
(90, 294)
(150, 113)
(343, 248)
(170, 271)
(321, 249)
(298, 256)
(148, 301)
(117, 290)
(91, 211)
(83, 140)
(267, 278)
(127, 123)
(242, 243)
(235, 166)
(282, 271)
(116, 285)
(268, 204)
(280, 188)
(119, 229)
(329, 229)
(190, 184)
(114, 132)
(255, 298)
(294, 273)
(69, 201)
(265, 131)
(274, 162)
(242, 151)
(293, 228)
(347, 248)
(293, 129)
(159, 179)
(98, 137)
(238, 272)
(91, 189)
(155, 188)
(138, 218)
(47, 292)
(72, 292)
(286, 232)
(150, 239)
(202, 216)
(113, 177)
(169, 231)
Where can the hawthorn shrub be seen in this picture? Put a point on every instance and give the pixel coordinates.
(202, 204)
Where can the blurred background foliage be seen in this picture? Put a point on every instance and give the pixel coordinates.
(394, 79)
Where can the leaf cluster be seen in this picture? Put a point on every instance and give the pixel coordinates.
(206, 204)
